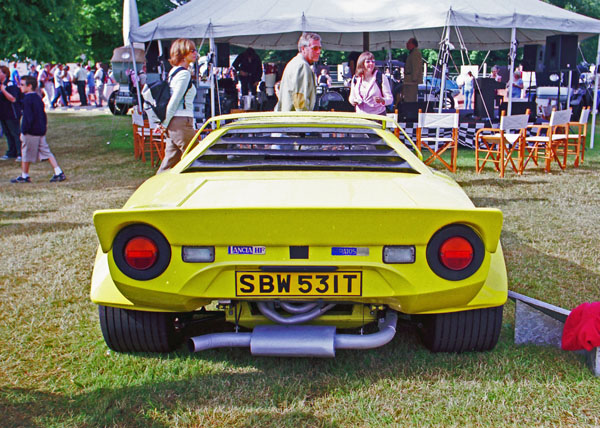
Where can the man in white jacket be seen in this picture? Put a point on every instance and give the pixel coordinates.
(298, 89)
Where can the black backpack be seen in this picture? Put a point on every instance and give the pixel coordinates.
(162, 94)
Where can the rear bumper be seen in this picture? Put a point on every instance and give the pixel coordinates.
(410, 289)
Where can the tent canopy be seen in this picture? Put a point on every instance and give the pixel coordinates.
(277, 24)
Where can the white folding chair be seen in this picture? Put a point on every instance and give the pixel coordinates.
(553, 142)
(497, 145)
(576, 141)
(437, 145)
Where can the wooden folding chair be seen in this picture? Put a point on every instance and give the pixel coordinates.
(497, 145)
(553, 142)
(438, 145)
(141, 146)
(576, 140)
(146, 141)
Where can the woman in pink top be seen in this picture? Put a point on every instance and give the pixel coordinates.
(367, 95)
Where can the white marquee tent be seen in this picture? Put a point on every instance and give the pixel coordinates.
(353, 24)
(276, 24)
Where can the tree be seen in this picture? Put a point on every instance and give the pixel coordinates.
(62, 30)
(44, 29)
(102, 23)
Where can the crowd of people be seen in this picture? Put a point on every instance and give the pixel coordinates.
(370, 90)
(23, 99)
(23, 118)
(24, 124)
(58, 83)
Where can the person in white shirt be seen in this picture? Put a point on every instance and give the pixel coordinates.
(59, 90)
(80, 80)
(46, 82)
(178, 125)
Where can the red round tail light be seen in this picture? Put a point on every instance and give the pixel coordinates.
(456, 253)
(140, 253)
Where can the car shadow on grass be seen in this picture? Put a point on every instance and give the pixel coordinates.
(499, 182)
(230, 387)
(8, 229)
(20, 215)
(482, 202)
(543, 276)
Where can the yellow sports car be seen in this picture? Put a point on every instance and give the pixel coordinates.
(290, 227)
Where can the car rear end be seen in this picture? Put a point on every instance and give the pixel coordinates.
(339, 232)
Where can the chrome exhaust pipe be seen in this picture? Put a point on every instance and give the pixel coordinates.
(219, 340)
(387, 331)
(298, 340)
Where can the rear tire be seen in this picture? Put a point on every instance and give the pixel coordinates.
(125, 330)
(474, 330)
(116, 109)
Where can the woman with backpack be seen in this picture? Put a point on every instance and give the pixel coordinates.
(178, 124)
(370, 91)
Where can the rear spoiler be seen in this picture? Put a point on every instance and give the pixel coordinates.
(299, 226)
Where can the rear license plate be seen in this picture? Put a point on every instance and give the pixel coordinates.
(283, 284)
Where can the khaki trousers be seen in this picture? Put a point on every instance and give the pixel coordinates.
(179, 134)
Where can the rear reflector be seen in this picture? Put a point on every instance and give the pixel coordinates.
(456, 253)
(140, 253)
(399, 254)
(198, 254)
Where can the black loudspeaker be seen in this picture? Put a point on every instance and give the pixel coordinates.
(533, 58)
(485, 93)
(409, 111)
(520, 107)
(222, 54)
(153, 59)
(560, 52)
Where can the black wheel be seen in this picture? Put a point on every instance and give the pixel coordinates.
(116, 109)
(448, 101)
(475, 330)
(125, 330)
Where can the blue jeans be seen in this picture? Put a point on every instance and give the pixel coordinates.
(60, 92)
(468, 98)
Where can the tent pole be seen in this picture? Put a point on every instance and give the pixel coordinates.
(161, 63)
(513, 55)
(595, 104)
(569, 90)
(211, 73)
(366, 42)
(445, 54)
(137, 76)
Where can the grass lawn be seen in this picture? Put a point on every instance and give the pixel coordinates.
(56, 371)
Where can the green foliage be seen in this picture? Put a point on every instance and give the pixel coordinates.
(102, 24)
(41, 29)
(62, 30)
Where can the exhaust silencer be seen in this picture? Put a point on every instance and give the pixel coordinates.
(298, 340)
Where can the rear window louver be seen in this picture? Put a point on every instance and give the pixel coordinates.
(303, 151)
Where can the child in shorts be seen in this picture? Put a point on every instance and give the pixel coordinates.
(34, 147)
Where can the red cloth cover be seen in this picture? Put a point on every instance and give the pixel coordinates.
(582, 328)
